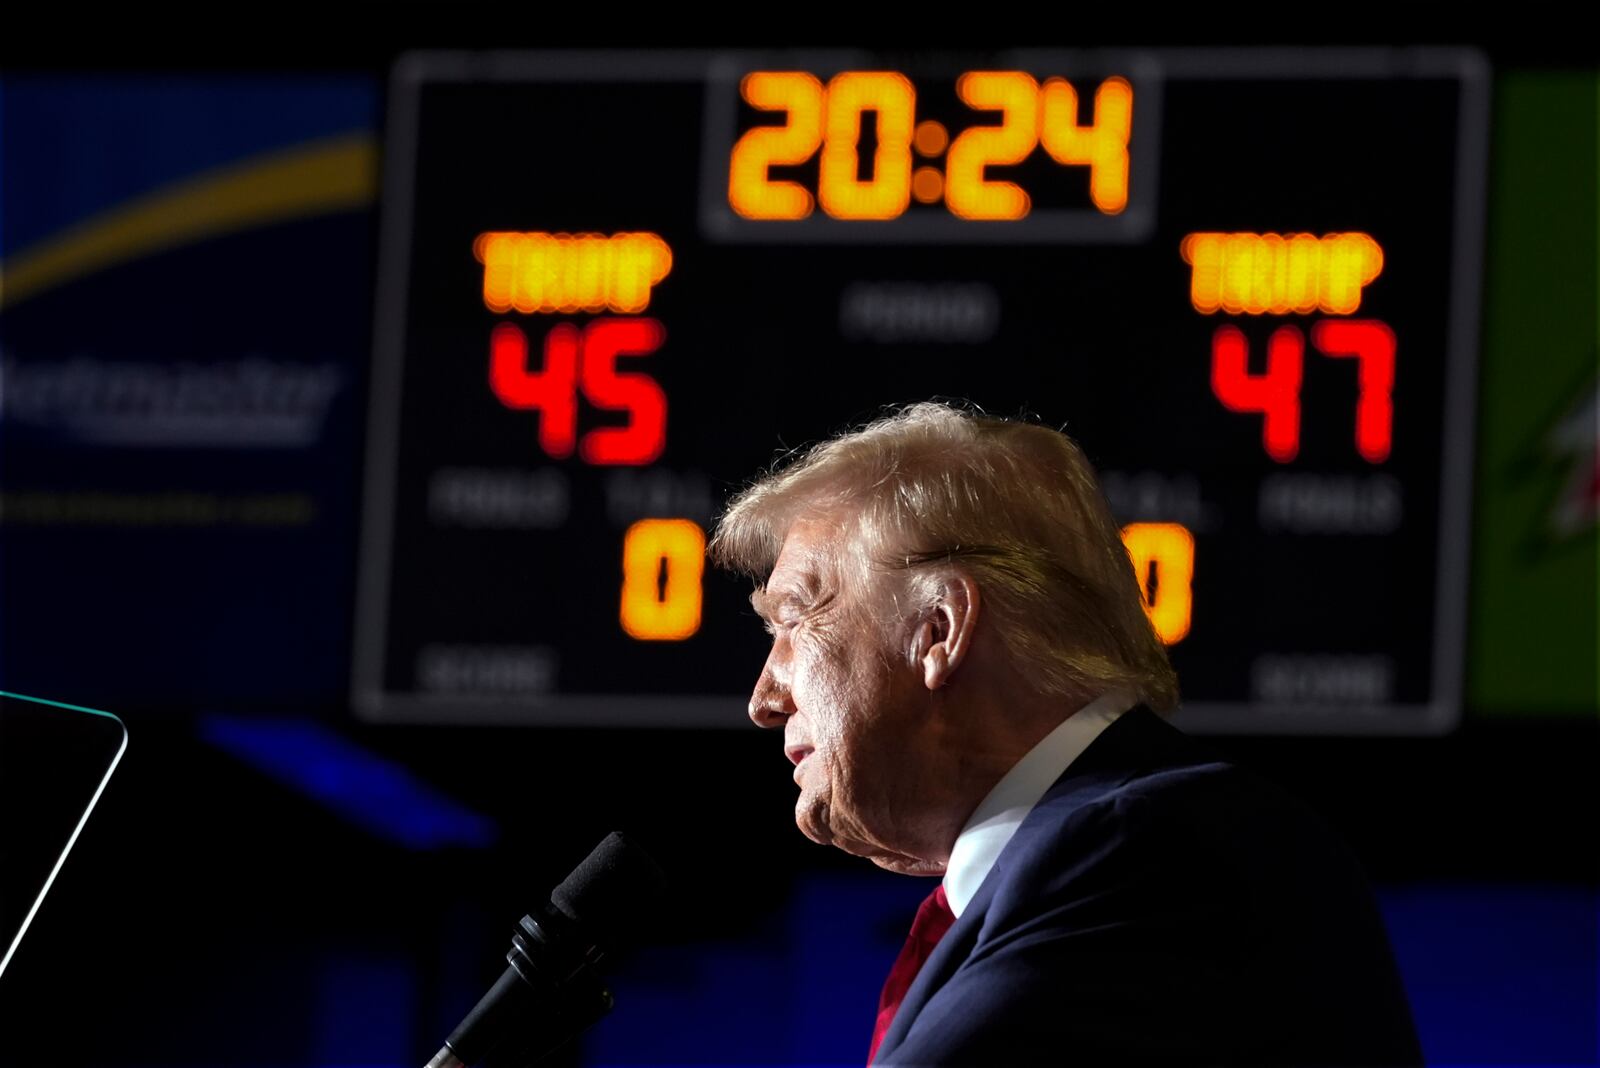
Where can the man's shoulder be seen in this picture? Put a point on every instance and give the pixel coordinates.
(1147, 803)
(1141, 766)
(1153, 777)
(1162, 903)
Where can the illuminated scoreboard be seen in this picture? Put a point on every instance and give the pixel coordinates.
(614, 286)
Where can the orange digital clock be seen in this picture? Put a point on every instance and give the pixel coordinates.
(827, 122)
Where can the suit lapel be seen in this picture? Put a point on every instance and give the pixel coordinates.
(1130, 742)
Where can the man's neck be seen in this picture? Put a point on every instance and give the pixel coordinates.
(996, 817)
(998, 738)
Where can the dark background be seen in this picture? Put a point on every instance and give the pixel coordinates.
(270, 881)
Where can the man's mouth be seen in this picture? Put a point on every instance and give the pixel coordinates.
(797, 753)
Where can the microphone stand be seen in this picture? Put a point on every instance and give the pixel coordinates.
(551, 992)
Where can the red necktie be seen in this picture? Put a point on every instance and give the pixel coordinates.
(933, 920)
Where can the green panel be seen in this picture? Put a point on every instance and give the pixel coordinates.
(1534, 646)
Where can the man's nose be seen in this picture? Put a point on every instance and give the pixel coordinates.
(771, 702)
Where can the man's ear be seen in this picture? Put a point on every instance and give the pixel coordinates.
(944, 633)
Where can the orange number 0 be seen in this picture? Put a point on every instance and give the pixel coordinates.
(1163, 562)
(887, 194)
(662, 563)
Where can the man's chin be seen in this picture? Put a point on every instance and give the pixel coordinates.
(812, 820)
(883, 857)
(903, 865)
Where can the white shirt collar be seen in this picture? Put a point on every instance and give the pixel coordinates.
(998, 815)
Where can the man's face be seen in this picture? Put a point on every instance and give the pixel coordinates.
(840, 685)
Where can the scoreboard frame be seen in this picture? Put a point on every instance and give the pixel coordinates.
(715, 69)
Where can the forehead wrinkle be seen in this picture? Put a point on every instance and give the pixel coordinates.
(800, 591)
(805, 568)
(797, 584)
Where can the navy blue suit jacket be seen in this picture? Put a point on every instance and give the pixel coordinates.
(1161, 906)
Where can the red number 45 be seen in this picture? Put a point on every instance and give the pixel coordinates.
(585, 361)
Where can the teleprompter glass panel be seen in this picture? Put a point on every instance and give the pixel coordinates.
(55, 759)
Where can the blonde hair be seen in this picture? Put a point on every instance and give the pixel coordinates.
(1014, 504)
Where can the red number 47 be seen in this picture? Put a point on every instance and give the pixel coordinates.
(1275, 392)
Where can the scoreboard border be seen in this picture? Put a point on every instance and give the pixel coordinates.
(1440, 715)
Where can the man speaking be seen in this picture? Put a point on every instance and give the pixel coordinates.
(969, 688)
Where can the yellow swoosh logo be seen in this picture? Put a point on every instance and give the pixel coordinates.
(319, 177)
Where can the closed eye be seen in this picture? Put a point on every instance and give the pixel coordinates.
(772, 627)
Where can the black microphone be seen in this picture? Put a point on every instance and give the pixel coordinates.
(552, 990)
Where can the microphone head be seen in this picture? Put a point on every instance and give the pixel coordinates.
(614, 893)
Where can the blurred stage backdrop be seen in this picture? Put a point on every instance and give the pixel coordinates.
(361, 422)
